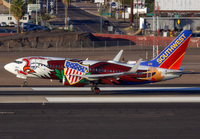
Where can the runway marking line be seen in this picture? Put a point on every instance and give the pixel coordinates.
(125, 99)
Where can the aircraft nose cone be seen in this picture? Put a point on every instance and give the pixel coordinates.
(8, 67)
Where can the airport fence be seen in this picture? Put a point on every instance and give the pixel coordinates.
(72, 46)
(80, 46)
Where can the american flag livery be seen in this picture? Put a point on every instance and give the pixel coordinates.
(72, 68)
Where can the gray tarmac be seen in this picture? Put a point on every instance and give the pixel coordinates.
(31, 116)
(109, 121)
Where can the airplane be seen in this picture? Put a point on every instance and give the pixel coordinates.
(78, 72)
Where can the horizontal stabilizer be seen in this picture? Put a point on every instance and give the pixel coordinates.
(117, 57)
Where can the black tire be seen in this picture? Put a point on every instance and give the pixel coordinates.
(96, 90)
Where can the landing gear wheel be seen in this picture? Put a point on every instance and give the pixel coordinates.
(25, 83)
(96, 90)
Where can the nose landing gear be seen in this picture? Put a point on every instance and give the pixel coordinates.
(25, 83)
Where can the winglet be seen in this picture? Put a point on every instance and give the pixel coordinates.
(117, 57)
(135, 67)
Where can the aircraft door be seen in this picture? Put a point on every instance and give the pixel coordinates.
(149, 74)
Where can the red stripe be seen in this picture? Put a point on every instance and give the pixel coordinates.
(71, 71)
(72, 76)
(27, 62)
(68, 69)
(174, 56)
(177, 64)
(21, 72)
(75, 80)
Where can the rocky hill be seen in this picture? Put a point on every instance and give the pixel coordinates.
(55, 38)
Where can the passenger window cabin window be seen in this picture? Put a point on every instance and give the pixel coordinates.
(24, 18)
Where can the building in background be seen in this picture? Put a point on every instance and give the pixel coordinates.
(10, 18)
(138, 8)
(178, 6)
(173, 15)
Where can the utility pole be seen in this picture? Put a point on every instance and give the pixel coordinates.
(137, 16)
(56, 7)
(36, 13)
(43, 6)
(124, 9)
(9, 9)
(131, 19)
(154, 33)
(65, 16)
(155, 30)
(47, 6)
(101, 18)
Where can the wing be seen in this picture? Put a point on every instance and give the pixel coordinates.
(98, 76)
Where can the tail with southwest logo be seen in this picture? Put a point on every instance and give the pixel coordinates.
(172, 56)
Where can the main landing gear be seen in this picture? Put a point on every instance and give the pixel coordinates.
(95, 89)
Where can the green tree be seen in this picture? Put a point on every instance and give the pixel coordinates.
(67, 3)
(31, 1)
(149, 3)
(46, 17)
(18, 10)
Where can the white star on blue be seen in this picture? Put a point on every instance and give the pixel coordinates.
(75, 66)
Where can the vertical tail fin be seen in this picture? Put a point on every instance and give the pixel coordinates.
(172, 56)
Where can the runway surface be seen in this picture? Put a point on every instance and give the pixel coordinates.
(125, 112)
(107, 121)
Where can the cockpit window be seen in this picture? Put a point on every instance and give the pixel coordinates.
(18, 62)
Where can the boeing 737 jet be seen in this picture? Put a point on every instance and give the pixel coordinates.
(78, 72)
